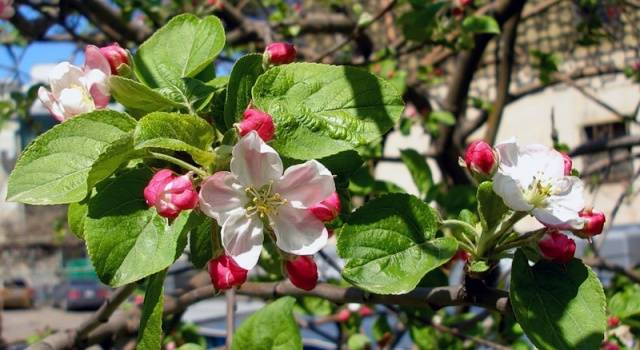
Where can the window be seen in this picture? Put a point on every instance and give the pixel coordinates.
(611, 166)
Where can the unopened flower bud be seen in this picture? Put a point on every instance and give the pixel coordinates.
(480, 158)
(328, 209)
(170, 194)
(557, 247)
(613, 321)
(568, 164)
(116, 56)
(608, 345)
(365, 311)
(302, 272)
(343, 315)
(259, 121)
(593, 223)
(225, 273)
(279, 53)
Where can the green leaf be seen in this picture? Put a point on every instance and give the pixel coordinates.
(558, 306)
(321, 110)
(490, 206)
(481, 24)
(150, 335)
(419, 24)
(201, 246)
(127, 240)
(442, 117)
(198, 93)
(243, 76)
(419, 169)
(363, 183)
(389, 244)
(182, 48)
(313, 306)
(76, 213)
(271, 328)
(63, 164)
(139, 97)
(478, 266)
(176, 132)
(626, 303)
(358, 342)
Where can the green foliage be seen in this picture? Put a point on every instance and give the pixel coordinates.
(626, 303)
(76, 213)
(546, 63)
(201, 245)
(490, 206)
(176, 132)
(481, 24)
(419, 169)
(558, 306)
(127, 240)
(358, 342)
(243, 76)
(364, 184)
(150, 335)
(63, 164)
(321, 110)
(184, 47)
(390, 244)
(271, 328)
(420, 23)
(313, 306)
(138, 97)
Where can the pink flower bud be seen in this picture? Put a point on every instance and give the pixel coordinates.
(480, 158)
(593, 225)
(343, 315)
(613, 321)
(557, 247)
(225, 273)
(328, 209)
(302, 272)
(608, 345)
(6, 9)
(280, 53)
(568, 164)
(365, 311)
(116, 56)
(170, 194)
(259, 121)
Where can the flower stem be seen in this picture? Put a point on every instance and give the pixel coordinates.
(521, 240)
(180, 163)
(468, 235)
(489, 238)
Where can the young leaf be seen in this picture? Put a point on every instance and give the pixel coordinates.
(150, 335)
(182, 48)
(389, 244)
(139, 97)
(63, 164)
(481, 24)
(176, 132)
(558, 306)
(243, 76)
(490, 206)
(76, 213)
(419, 169)
(127, 240)
(626, 303)
(320, 110)
(273, 327)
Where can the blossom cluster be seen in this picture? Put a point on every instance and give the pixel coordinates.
(538, 180)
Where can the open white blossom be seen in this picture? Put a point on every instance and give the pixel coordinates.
(531, 178)
(257, 195)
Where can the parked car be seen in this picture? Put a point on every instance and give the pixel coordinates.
(16, 293)
(81, 294)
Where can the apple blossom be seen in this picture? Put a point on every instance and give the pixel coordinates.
(568, 163)
(480, 158)
(115, 55)
(302, 272)
(76, 90)
(593, 223)
(280, 53)
(261, 122)
(6, 9)
(532, 179)
(328, 209)
(256, 196)
(613, 321)
(225, 273)
(170, 194)
(557, 247)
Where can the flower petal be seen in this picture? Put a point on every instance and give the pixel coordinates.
(94, 59)
(220, 195)
(242, 238)
(298, 231)
(49, 101)
(511, 192)
(306, 184)
(564, 205)
(254, 162)
(64, 75)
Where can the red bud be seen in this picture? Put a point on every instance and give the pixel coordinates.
(116, 56)
(280, 53)
(170, 194)
(302, 272)
(557, 247)
(328, 209)
(259, 121)
(594, 223)
(480, 158)
(225, 273)
(613, 321)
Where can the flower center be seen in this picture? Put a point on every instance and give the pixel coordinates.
(262, 202)
(537, 193)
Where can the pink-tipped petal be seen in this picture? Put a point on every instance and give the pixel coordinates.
(255, 163)
(298, 231)
(242, 239)
(306, 184)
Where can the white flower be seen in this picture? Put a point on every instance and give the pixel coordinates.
(531, 179)
(76, 90)
(257, 197)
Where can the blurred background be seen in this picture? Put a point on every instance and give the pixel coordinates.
(558, 72)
